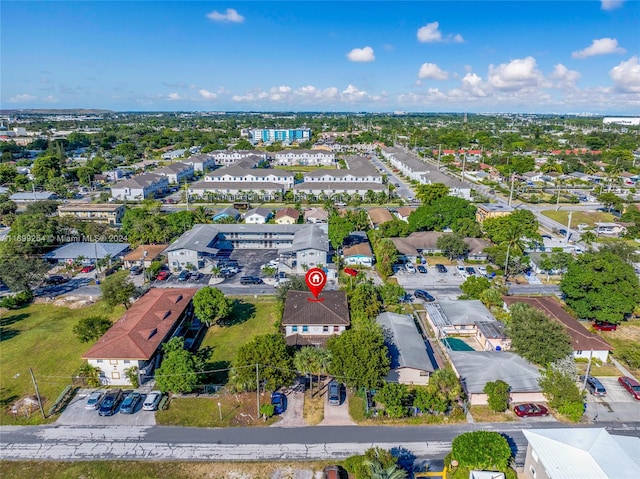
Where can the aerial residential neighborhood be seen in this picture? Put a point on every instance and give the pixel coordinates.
(320, 241)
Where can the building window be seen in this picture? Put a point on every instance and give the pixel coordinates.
(115, 375)
(325, 329)
(99, 361)
(532, 471)
(294, 329)
(113, 361)
(305, 329)
(336, 329)
(126, 361)
(423, 373)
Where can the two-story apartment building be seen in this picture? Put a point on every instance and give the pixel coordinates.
(135, 340)
(307, 322)
(252, 176)
(201, 162)
(140, 187)
(176, 172)
(231, 157)
(305, 157)
(100, 213)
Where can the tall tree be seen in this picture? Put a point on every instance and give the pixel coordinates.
(178, 372)
(429, 194)
(452, 246)
(601, 286)
(91, 328)
(211, 305)
(118, 289)
(275, 363)
(484, 450)
(312, 360)
(537, 337)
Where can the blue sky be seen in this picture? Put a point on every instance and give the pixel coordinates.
(476, 56)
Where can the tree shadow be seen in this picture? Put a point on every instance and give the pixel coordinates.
(217, 377)
(512, 445)
(8, 333)
(6, 398)
(406, 458)
(12, 319)
(240, 313)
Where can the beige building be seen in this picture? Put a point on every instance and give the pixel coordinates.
(100, 213)
(491, 210)
(287, 216)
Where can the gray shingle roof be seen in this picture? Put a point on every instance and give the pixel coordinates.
(311, 237)
(406, 346)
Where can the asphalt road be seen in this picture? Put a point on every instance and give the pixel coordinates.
(177, 443)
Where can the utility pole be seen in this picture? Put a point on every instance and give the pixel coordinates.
(586, 376)
(257, 391)
(513, 180)
(439, 154)
(35, 385)
(186, 193)
(566, 238)
(464, 162)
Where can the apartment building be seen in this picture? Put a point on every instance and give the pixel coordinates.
(100, 213)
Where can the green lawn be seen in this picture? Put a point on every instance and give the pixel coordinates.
(40, 337)
(250, 317)
(578, 217)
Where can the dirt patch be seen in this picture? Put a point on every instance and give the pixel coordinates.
(25, 407)
(627, 332)
(71, 302)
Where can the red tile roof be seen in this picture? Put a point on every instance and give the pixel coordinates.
(581, 338)
(144, 327)
(290, 212)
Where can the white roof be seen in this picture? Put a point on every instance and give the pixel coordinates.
(585, 453)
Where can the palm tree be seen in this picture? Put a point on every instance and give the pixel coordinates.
(379, 471)
(312, 360)
(589, 237)
(201, 215)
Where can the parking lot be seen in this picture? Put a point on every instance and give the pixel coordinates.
(75, 414)
(433, 281)
(617, 405)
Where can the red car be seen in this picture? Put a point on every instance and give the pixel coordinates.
(604, 326)
(351, 271)
(87, 269)
(630, 385)
(162, 275)
(526, 410)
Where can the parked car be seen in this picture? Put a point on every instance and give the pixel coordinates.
(135, 269)
(630, 385)
(526, 410)
(351, 271)
(279, 402)
(56, 279)
(184, 275)
(130, 402)
(462, 271)
(594, 386)
(470, 271)
(151, 401)
(110, 402)
(482, 270)
(604, 326)
(424, 295)
(562, 232)
(441, 268)
(250, 280)
(95, 398)
(334, 394)
(87, 269)
(163, 275)
(410, 268)
(421, 269)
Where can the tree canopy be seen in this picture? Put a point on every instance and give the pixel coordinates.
(445, 212)
(118, 289)
(211, 305)
(429, 194)
(601, 286)
(452, 246)
(484, 450)
(178, 372)
(537, 337)
(91, 328)
(275, 362)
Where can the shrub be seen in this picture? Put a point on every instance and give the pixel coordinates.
(267, 410)
(17, 300)
(498, 395)
(630, 354)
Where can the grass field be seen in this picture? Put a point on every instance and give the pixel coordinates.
(484, 414)
(155, 469)
(40, 337)
(578, 217)
(250, 317)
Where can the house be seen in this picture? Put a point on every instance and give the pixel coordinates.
(140, 187)
(404, 212)
(585, 453)
(477, 368)
(378, 216)
(610, 229)
(104, 213)
(176, 172)
(457, 317)
(33, 196)
(425, 242)
(258, 215)
(309, 249)
(89, 251)
(287, 216)
(173, 155)
(236, 190)
(226, 213)
(533, 176)
(584, 342)
(410, 363)
(312, 323)
(144, 255)
(202, 162)
(358, 254)
(305, 157)
(491, 210)
(316, 215)
(135, 340)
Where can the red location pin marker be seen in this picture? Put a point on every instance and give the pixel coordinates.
(316, 279)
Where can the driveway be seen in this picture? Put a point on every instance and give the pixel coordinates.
(336, 415)
(76, 415)
(293, 416)
(617, 405)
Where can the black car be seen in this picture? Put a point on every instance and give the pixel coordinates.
(250, 280)
(110, 402)
(184, 275)
(136, 270)
(425, 296)
(441, 268)
(56, 279)
(421, 269)
(470, 271)
(562, 232)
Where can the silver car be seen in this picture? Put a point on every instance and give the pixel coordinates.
(152, 400)
(94, 400)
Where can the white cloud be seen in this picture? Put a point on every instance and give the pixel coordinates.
(230, 16)
(433, 71)
(361, 55)
(207, 95)
(431, 33)
(602, 46)
(352, 93)
(22, 98)
(626, 76)
(309, 92)
(516, 75)
(611, 4)
(564, 77)
(50, 99)
(174, 96)
(473, 84)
